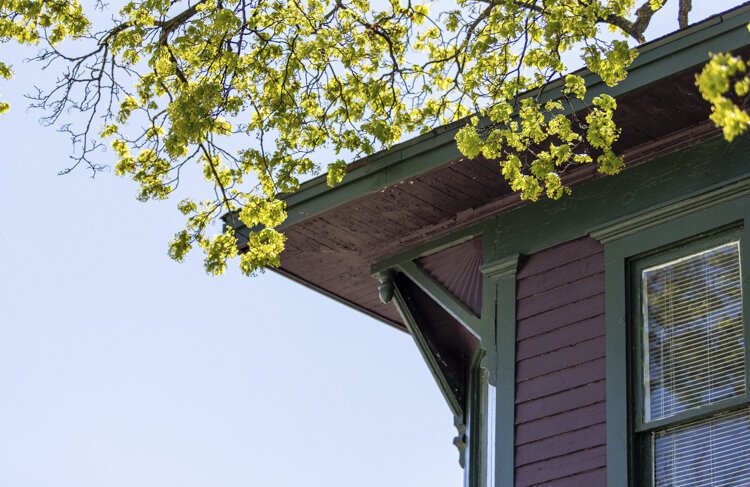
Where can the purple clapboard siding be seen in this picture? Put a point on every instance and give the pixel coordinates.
(560, 370)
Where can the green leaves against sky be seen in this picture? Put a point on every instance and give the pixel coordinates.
(251, 91)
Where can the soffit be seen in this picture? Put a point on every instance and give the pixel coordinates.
(332, 250)
(335, 250)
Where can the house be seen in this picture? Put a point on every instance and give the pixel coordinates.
(595, 340)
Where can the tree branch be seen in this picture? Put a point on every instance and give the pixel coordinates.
(636, 28)
(682, 16)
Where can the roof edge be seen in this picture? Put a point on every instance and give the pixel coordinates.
(657, 59)
(289, 275)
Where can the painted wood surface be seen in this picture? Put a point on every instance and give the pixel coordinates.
(560, 367)
(335, 250)
(457, 270)
(450, 345)
(406, 199)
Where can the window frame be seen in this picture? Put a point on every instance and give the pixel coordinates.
(670, 226)
(641, 429)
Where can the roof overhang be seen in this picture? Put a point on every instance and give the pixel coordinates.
(411, 199)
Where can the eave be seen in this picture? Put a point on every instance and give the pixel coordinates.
(657, 59)
(374, 219)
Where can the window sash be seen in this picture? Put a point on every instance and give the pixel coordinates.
(645, 431)
(663, 256)
(707, 451)
(692, 319)
(632, 241)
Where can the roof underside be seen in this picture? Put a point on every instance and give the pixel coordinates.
(333, 250)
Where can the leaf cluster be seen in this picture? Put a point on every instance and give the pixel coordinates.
(247, 92)
(725, 84)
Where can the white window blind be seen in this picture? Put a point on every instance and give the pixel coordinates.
(693, 339)
(711, 452)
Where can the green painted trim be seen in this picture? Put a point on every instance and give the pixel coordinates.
(618, 426)
(459, 441)
(744, 235)
(683, 49)
(594, 205)
(636, 335)
(443, 298)
(641, 445)
(386, 286)
(732, 403)
(381, 170)
(676, 225)
(429, 248)
(489, 305)
(424, 349)
(669, 55)
(502, 273)
(671, 211)
(680, 230)
(490, 431)
(474, 417)
(713, 167)
(480, 415)
(501, 268)
(680, 175)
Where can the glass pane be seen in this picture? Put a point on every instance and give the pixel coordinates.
(713, 451)
(692, 311)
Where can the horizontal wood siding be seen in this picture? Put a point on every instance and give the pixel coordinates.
(560, 410)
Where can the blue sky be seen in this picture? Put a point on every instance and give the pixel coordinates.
(119, 367)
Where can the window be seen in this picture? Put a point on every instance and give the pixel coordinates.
(644, 448)
(691, 417)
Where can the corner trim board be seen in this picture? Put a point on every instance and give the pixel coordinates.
(502, 273)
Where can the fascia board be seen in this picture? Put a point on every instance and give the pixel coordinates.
(658, 59)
